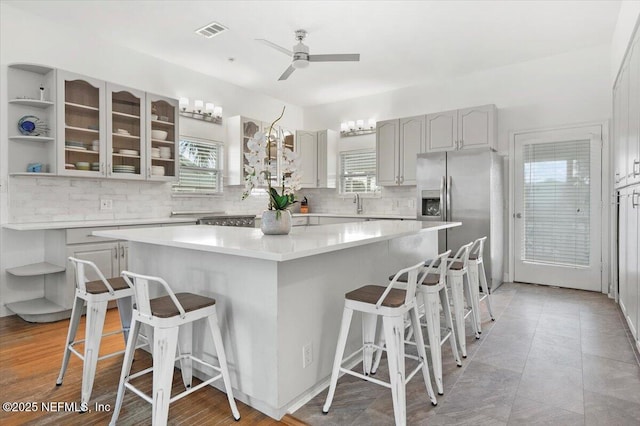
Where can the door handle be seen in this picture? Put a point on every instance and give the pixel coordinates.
(461, 143)
(122, 252)
(449, 186)
(636, 165)
(115, 252)
(634, 204)
(442, 195)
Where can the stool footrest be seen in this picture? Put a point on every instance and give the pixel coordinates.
(363, 377)
(183, 393)
(109, 355)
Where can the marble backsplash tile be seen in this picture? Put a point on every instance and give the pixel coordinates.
(44, 199)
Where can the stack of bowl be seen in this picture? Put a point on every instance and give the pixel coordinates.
(157, 170)
(165, 152)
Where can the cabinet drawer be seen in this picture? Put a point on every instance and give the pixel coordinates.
(83, 235)
(299, 221)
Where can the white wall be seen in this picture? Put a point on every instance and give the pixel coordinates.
(568, 88)
(628, 20)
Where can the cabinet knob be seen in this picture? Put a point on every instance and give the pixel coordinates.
(461, 143)
(635, 203)
(636, 168)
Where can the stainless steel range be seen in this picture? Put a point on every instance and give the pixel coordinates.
(246, 221)
(219, 218)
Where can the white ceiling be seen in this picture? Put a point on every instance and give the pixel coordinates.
(402, 43)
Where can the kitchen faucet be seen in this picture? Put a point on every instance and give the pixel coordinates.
(358, 202)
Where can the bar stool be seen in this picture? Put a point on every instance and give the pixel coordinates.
(477, 277)
(458, 280)
(166, 315)
(391, 304)
(433, 294)
(97, 294)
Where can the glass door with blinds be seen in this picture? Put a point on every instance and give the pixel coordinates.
(557, 208)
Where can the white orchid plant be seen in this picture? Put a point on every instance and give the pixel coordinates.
(258, 173)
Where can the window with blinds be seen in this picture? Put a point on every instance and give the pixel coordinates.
(358, 172)
(200, 167)
(556, 203)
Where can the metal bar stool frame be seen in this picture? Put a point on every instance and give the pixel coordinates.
(170, 334)
(97, 294)
(393, 328)
(478, 278)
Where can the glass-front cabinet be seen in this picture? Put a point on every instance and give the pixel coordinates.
(162, 138)
(125, 133)
(81, 125)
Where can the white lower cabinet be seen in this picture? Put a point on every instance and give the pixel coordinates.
(110, 258)
(629, 257)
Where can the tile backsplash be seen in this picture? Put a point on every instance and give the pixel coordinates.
(45, 199)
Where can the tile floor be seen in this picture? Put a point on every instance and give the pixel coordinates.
(552, 357)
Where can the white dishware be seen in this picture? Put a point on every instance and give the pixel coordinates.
(128, 152)
(159, 135)
(157, 170)
(165, 152)
(155, 152)
(154, 116)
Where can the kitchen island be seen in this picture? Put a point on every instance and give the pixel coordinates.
(278, 296)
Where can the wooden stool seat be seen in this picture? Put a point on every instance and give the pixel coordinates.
(430, 279)
(98, 287)
(371, 293)
(163, 307)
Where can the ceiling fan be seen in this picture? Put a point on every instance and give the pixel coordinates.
(301, 57)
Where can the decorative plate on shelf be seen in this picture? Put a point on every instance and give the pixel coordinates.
(30, 125)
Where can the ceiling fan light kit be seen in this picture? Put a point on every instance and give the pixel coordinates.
(301, 57)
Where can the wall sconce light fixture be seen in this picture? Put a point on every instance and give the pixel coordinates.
(201, 111)
(358, 127)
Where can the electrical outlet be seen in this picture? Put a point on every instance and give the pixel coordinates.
(106, 204)
(307, 355)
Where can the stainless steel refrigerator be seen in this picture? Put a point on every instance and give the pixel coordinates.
(465, 186)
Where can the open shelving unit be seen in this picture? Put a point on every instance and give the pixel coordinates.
(23, 93)
(39, 309)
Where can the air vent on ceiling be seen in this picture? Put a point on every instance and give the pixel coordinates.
(211, 30)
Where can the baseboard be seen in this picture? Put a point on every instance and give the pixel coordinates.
(315, 390)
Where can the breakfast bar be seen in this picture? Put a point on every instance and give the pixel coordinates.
(279, 297)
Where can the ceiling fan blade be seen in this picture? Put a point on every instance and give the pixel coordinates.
(275, 46)
(287, 73)
(335, 57)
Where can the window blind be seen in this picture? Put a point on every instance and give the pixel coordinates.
(358, 171)
(556, 214)
(200, 167)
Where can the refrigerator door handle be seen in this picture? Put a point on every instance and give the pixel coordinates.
(449, 199)
(443, 213)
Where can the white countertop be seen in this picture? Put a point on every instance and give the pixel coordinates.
(303, 241)
(356, 216)
(35, 226)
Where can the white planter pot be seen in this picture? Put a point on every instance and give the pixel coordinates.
(276, 222)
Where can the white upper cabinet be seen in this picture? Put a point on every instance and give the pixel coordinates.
(398, 144)
(626, 119)
(633, 138)
(476, 127)
(441, 131)
(82, 139)
(412, 132)
(387, 146)
(467, 128)
(239, 131)
(112, 131)
(307, 149)
(126, 144)
(163, 138)
(318, 151)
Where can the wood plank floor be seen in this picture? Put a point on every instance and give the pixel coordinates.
(30, 358)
